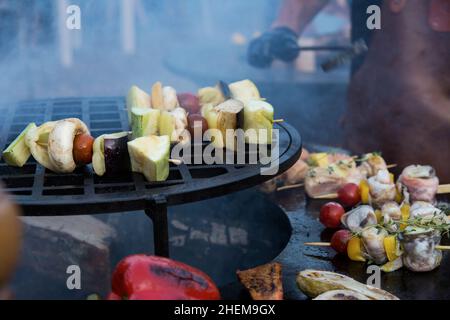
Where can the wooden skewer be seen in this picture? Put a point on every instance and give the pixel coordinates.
(392, 165)
(327, 196)
(443, 188)
(176, 162)
(328, 244)
(277, 120)
(291, 186)
(318, 244)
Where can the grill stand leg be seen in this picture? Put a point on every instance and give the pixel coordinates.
(158, 213)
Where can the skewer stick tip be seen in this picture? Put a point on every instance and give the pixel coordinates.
(176, 162)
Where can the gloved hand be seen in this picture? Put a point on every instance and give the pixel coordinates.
(279, 43)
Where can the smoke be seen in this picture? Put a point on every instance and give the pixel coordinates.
(120, 43)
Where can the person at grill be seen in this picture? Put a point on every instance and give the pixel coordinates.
(399, 91)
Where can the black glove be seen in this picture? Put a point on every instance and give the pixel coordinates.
(279, 43)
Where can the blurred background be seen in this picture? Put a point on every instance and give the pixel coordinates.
(185, 44)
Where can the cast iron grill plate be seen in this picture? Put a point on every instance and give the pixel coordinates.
(42, 192)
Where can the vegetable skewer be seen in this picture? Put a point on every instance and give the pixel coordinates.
(442, 189)
(328, 244)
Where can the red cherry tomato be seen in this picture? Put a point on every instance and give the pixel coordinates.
(340, 239)
(349, 195)
(330, 214)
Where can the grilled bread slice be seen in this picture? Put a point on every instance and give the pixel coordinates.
(263, 282)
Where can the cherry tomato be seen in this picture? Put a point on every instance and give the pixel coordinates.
(82, 149)
(349, 195)
(340, 239)
(330, 214)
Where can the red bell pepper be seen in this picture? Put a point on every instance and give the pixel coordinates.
(141, 277)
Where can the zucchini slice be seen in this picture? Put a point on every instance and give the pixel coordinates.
(137, 98)
(18, 152)
(314, 283)
(144, 122)
(150, 156)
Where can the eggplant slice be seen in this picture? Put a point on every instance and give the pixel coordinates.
(111, 154)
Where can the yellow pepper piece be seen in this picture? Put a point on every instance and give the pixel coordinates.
(405, 215)
(365, 191)
(319, 159)
(354, 251)
(391, 177)
(391, 266)
(398, 196)
(378, 215)
(390, 246)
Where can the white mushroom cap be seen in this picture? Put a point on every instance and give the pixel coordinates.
(60, 143)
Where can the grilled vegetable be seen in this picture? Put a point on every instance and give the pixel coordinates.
(244, 90)
(111, 154)
(137, 98)
(141, 277)
(392, 266)
(164, 98)
(60, 143)
(211, 95)
(37, 139)
(349, 195)
(189, 102)
(144, 122)
(257, 115)
(157, 96)
(18, 152)
(263, 282)
(197, 123)
(364, 191)
(319, 159)
(223, 117)
(340, 239)
(170, 98)
(117, 159)
(331, 214)
(341, 295)
(174, 124)
(82, 149)
(150, 156)
(354, 249)
(391, 247)
(314, 283)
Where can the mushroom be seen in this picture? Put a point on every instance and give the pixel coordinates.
(420, 252)
(373, 241)
(170, 98)
(382, 189)
(60, 144)
(359, 218)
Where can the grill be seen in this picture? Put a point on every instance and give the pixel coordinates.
(43, 193)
